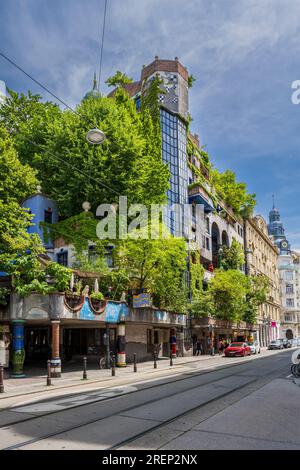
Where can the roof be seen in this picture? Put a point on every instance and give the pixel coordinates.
(131, 88)
(164, 65)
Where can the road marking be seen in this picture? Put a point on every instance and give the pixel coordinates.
(64, 403)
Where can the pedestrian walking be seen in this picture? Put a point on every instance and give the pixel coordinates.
(198, 348)
(220, 347)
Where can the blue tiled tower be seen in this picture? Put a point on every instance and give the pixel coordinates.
(276, 230)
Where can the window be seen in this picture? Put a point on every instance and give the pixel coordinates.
(288, 275)
(207, 243)
(193, 210)
(48, 215)
(290, 302)
(289, 289)
(62, 258)
(207, 225)
(288, 318)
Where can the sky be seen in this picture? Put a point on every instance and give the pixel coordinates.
(244, 55)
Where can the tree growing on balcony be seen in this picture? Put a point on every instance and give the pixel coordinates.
(233, 257)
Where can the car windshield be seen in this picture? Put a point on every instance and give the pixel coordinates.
(236, 345)
(275, 342)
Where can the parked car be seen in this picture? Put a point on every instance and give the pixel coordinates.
(275, 344)
(287, 343)
(254, 346)
(238, 349)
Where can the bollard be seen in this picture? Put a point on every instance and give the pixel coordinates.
(113, 366)
(1, 379)
(84, 375)
(134, 363)
(155, 363)
(48, 373)
(171, 359)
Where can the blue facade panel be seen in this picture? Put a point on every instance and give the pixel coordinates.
(43, 209)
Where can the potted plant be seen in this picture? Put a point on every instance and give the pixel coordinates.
(97, 302)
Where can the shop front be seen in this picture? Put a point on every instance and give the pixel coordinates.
(210, 332)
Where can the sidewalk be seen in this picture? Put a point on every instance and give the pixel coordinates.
(72, 374)
(33, 387)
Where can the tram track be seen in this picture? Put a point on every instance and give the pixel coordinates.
(147, 402)
(162, 382)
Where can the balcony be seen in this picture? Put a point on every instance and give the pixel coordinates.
(198, 194)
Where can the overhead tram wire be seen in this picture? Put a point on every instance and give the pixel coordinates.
(102, 44)
(4, 56)
(37, 82)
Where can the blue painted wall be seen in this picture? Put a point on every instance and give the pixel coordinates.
(38, 204)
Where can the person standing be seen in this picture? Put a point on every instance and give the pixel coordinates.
(198, 348)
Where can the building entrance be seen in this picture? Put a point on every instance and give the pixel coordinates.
(86, 342)
(37, 343)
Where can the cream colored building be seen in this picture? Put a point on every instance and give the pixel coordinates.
(262, 258)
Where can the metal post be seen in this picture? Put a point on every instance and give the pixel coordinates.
(1, 379)
(155, 363)
(107, 349)
(113, 365)
(48, 373)
(171, 359)
(84, 376)
(134, 363)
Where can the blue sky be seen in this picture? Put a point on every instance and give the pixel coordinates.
(243, 53)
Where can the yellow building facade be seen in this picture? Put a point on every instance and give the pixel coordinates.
(262, 258)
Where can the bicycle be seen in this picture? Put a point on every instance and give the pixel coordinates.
(295, 370)
(102, 360)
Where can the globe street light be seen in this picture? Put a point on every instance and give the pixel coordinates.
(95, 136)
(220, 253)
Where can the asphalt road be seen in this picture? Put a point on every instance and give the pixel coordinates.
(251, 405)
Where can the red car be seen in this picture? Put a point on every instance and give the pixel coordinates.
(238, 349)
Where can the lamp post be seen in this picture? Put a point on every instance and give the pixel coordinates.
(220, 255)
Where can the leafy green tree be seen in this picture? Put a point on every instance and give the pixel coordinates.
(233, 257)
(158, 266)
(203, 305)
(118, 79)
(257, 292)
(233, 193)
(191, 81)
(196, 275)
(17, 182)
(70, 169)
(228, 290)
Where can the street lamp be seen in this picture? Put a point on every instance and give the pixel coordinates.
(220, 253)
(95, 136)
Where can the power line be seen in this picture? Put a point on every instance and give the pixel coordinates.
(37, 82)
(102, 44)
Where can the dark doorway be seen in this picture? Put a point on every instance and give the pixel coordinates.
(86, 342)
(225, 239)
(289, 334)
(37, 343)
